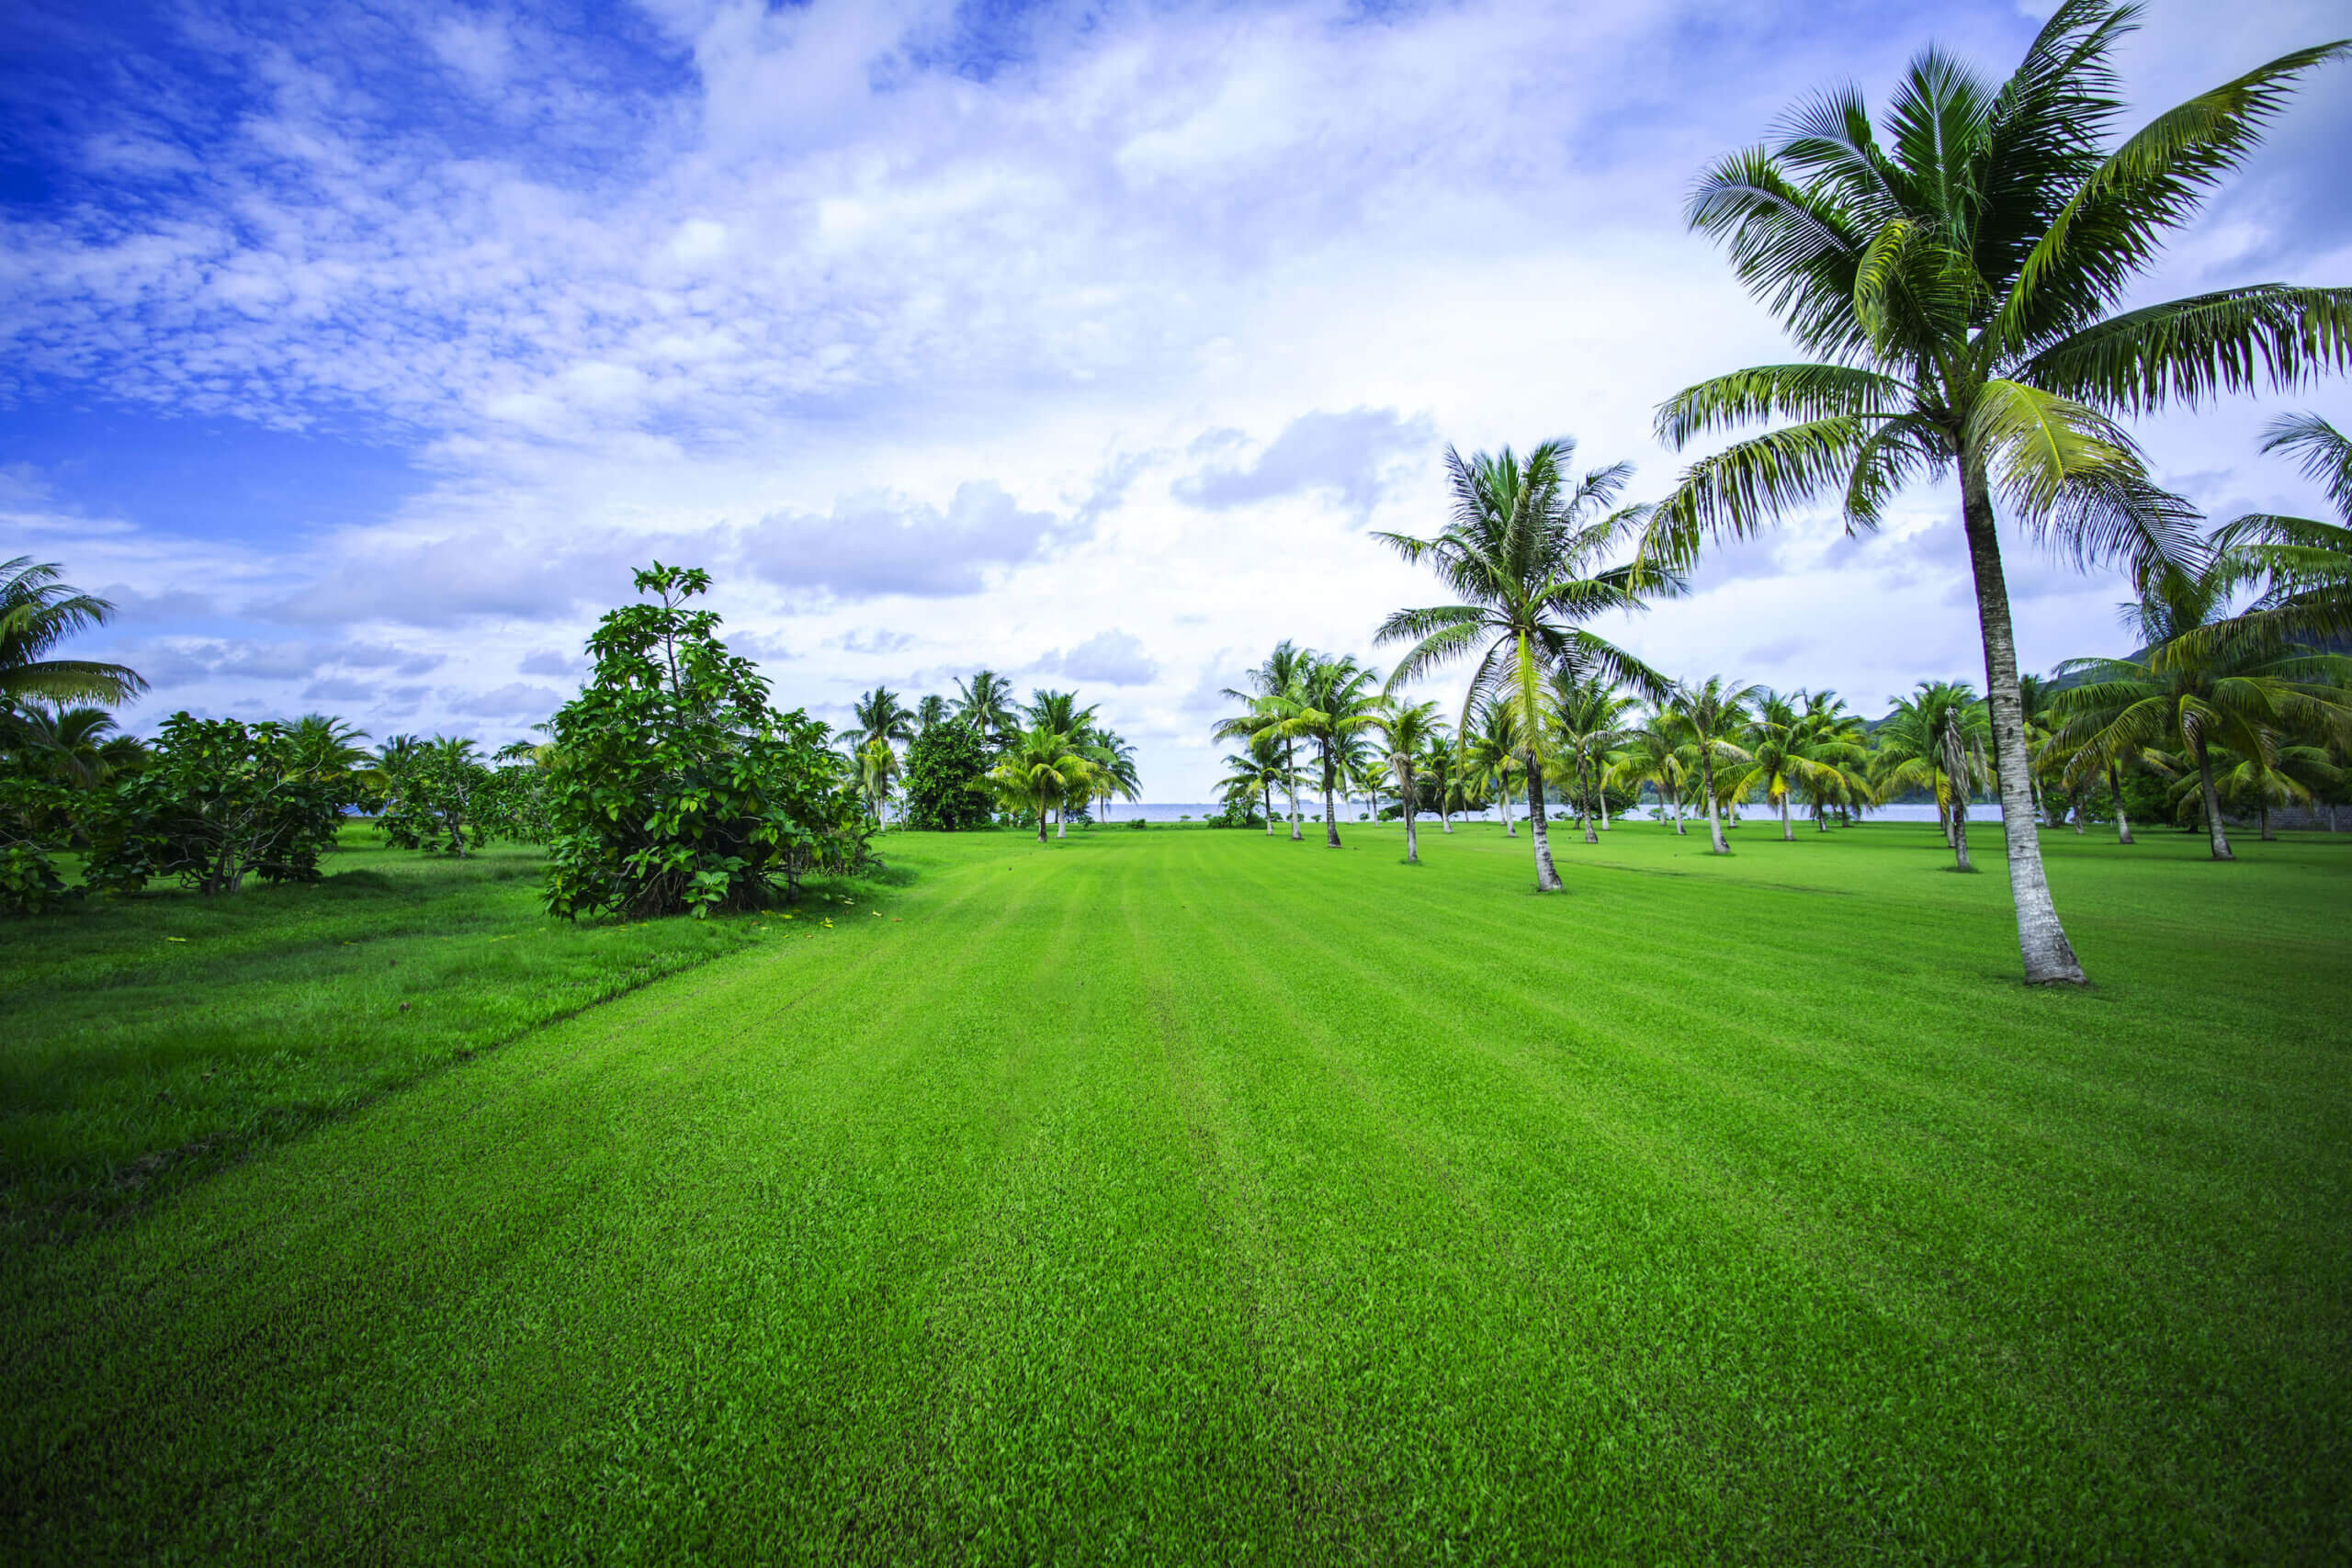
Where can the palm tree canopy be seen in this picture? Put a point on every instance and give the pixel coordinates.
(1957, 280)
(1522, 557)
(985, 703)
(37, 612)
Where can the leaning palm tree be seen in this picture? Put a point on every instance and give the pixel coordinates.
(1959, 287)
(1406, 731)
(37, 612)
(2198, 691)
(1256, 771)
(985, 703)
(1710, 718)
(1522, 555)
(1270, 699)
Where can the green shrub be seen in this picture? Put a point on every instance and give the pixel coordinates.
(218, 801)
(947, 789)
(672, 785)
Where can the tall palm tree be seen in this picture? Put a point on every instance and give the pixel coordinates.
(1059, 710)
(37, 612)
(985, 702)
(1333, 705)
(930, 711)
(1406, 730)
(2200, 691)
(1835, 742)
(1711, 717)
(1959, 287)
(1270, 698)
(881, 716)
(1521, 555)
(1779, 757)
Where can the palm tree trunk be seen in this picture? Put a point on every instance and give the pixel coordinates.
(1584, 807)
(1714, 814)
(1041, 819)
(1547, 879)
(2042, 939)
(1956, 770)
(1788, 828)
(2215, 833)
(1681, 829)
(1331, 812)
(1266, 793)
(1412, 841)
(2122, 822)
(1290, 767)
(1502, 793)
(2267, 836)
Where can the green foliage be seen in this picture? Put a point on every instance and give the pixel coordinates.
(672, 787)
(947, 788)
(514, 803)
(218, 801)
(1238, 811)
(32, 812)
(443, 799)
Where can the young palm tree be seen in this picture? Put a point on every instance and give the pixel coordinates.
(1710, 718)
(2200, 692)
(985, 703)
(79, 746)
(1522, 558)
(1834, 741)
(37, 612)
(2293, 776)
(1957, 286)
(1406, 732)
(1114, 767)
(878, 768)
(1258, 771)
(1271, 700)
(1334, 702)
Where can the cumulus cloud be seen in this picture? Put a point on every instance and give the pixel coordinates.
(1353, 456)
(512, 701)
(874, 545)
(1114, 658)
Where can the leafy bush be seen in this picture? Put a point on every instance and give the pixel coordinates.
(1137, 822)
(947, 789)
(1241, 811)
(218, 801)
(33, 811)
(672, 785)
(440, 797)
(514, 803)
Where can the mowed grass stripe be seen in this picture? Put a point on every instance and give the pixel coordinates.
(1185, 1196)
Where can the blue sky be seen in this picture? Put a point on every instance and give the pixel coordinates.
(358, 350)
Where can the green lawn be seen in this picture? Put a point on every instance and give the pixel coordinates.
(1189, 1196)
(152, 1040)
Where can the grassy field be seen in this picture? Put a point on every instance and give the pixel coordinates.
(155, 1039)
(1187, 1196)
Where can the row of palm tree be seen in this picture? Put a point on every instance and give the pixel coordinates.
(1053, 754)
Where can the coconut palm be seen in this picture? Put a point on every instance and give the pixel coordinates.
(881, 716)
(1522, 557)
(1441, 766)
(1114, 768)
(1587, 717)
(877, 769)
(1936, 739)
(985, 703)
(1258, 771)
(2292, 775)
(2304, 564)
(1490, 756)
(1834, 740)
(1653, 755)
(1406, 730)
(1269, 699)
(1333, 705)
(80, 745)
(1710, 718)
(931, 710)
(1957, 286)
(1039, 770)
(37, 612)
(2200, 691)
(1779, 758)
